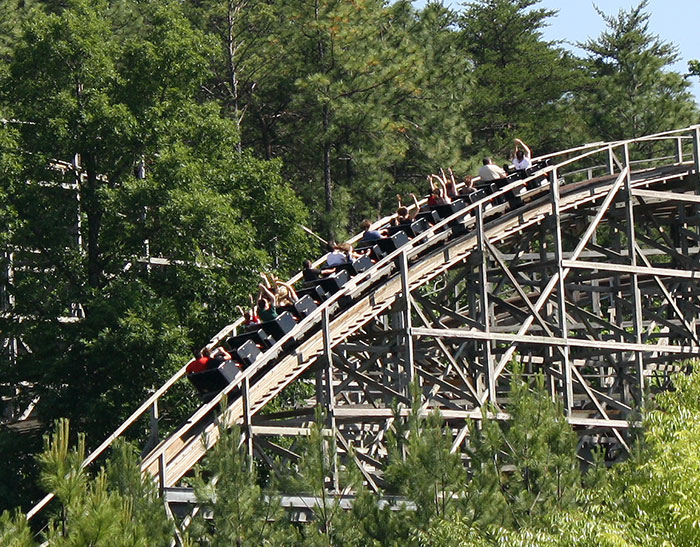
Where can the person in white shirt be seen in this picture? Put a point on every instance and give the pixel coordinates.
(490, 171)
(521, 156)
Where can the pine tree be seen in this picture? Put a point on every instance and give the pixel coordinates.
(431, 118)
(542, 447)
(485, 503)
(94, 512)
(694, 67)
(349, 66)
(632, 91)
(524, 469)
(15, 531)
(519, 78)
(242, 512)
(379, 524)
(320, 473)
(424, 469)
(124, 477)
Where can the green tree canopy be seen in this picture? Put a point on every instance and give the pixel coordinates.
(519, 78)
(118, 157)
(632, 91)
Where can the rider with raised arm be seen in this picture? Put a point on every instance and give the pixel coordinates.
(521, 156)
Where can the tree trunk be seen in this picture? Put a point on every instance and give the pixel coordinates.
(327, 179)
(93, 212)
(233, 9)
(266, 136)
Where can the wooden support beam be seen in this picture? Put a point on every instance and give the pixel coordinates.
(490, 393)
(629, 269)
(371, 382)
(602, 210)
(636, 295)
(248, 431)
(351, 453)
(603, 345)
(407, 322)
(696, 156)
(444, 384)
(561, 297)
(666, 197)
(452, 361)
(374, 414)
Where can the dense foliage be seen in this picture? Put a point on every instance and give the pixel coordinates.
(521, 486)
(156, 155)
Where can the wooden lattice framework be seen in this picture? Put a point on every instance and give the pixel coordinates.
(592, 280)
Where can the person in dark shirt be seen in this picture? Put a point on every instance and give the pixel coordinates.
(313, 274)
(342, 254)
(438, 191)
(267, 304)
(468, 187)
(310, 273)
(370, 235)
(403, 216)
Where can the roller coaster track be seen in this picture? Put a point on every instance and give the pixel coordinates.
(590, 277)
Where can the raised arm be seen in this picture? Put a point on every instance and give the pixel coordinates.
(443, 186)
(416, 206)
(266, 280)
(267, 294)
(291, 292)
(526, 150)
(221, 352)
(452, 176)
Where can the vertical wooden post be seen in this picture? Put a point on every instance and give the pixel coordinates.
(561, 296)
(636, 294)
(330, 391)
(161, 473)
(696, 162)
(154, 418)
(543, 279)
(696, 155)
(407, 324)
(489, 367)
(247, 422)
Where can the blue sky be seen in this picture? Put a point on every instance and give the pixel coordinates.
(675, 21)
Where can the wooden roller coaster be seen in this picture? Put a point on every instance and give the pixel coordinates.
(585, 270)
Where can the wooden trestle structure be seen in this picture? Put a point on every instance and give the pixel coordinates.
(591, 280)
